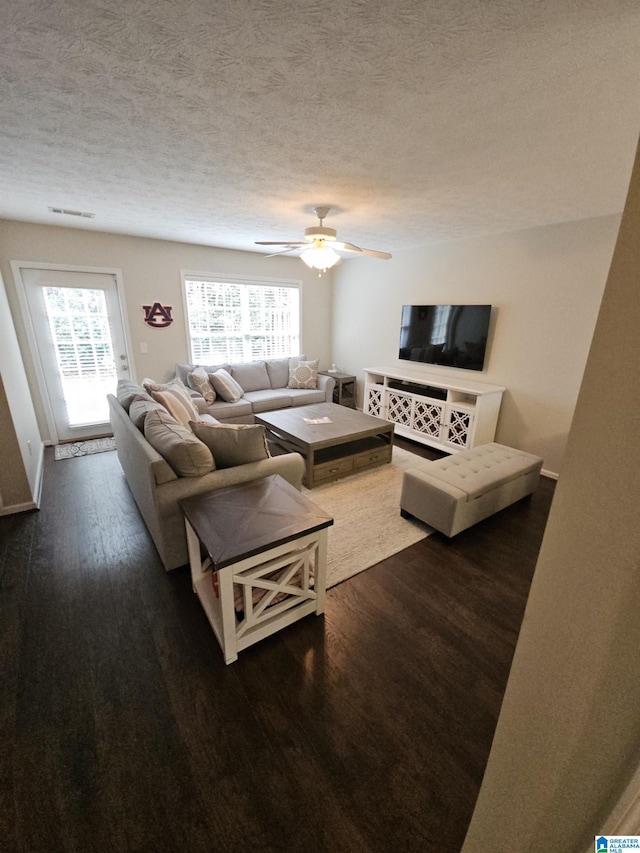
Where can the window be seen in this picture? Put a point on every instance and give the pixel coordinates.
(241, 320)
(81, 337)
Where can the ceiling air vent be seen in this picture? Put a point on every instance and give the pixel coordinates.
(66, 212)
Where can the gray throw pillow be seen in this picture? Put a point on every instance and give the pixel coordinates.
(140, 408)
(233, 444)
(225, 386)
(127, 391)
(185, 453)
(303, 374)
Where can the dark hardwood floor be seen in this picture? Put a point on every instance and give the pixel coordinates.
(367, 729)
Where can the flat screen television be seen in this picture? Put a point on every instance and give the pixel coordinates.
(451, 335)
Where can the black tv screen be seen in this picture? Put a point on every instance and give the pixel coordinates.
(451, 335)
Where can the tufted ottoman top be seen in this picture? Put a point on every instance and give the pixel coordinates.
(483, 468)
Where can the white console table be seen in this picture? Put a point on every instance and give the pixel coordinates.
(449, 414)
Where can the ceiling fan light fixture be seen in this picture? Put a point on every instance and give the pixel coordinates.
(320, 232)
(320, 257)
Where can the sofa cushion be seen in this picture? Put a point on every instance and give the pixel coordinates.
(140, 406)
(198, 379)
(127, 390)
(267, 401)
(278, 370)
(185, 453)
(224, 411)
(175, 398)
(233, 444)
(303, 374)
(251, 376)
(225, 386)
(305, 396)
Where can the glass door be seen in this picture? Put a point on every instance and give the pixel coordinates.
(79, 334)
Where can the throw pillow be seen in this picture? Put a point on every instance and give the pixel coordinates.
(140, 408)
(225, 386)
(199, 381)
(127, 391)
(278, 370)
(233, 444)
(175, 398)
(303, 374)
(186, 454)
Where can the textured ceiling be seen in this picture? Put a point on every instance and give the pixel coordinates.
(226, 121)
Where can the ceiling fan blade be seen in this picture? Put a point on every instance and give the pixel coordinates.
(350, 247)
(280, 243)
(375, 254)
(346, 247)
(281, 252)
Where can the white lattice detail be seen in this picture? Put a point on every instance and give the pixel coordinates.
(399, 409)
(374, 402)
(273, 587)
(447, 413)
(458, 427)
(427, 418)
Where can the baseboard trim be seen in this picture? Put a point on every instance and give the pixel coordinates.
(16, 508)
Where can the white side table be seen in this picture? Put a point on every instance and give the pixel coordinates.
(265, 559)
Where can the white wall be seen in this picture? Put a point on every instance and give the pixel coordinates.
(545, 285)
(567, 744)
(151, 273)
(21, 445)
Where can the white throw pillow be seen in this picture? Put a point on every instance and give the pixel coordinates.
(199, 381)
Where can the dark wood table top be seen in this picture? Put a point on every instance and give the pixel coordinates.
(246, 519)
(346, 424)
(337, 374)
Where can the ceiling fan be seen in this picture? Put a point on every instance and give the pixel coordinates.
(321, 254)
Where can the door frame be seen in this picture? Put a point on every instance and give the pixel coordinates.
(16, 268)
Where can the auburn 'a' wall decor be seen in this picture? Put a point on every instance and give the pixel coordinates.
(158, 316)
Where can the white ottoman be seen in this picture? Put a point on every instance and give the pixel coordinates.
(453, 493)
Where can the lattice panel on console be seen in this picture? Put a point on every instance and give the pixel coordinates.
(399, 409)
(374, 402)
(458, 428)
(427, 418)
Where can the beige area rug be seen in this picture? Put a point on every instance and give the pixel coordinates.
(367, 524)
(84, 448)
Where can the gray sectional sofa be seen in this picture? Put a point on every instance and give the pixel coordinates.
(264, 384)
(154, 483)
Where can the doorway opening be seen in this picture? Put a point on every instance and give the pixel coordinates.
(76, 328)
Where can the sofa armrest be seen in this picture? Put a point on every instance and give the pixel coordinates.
(326, 384)
(289, 465)
(171, 541)
(198, 401)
